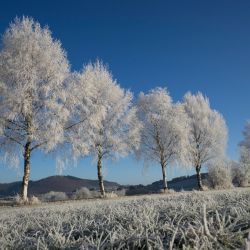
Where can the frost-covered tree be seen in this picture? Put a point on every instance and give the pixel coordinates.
(33, 67)
(104, 122)
(164, 134)
(244, 166)
(242, 173)
(207, 132)
(241, 169)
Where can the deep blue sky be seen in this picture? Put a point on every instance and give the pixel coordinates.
(182, 45)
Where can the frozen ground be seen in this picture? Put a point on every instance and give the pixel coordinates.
(188, 220)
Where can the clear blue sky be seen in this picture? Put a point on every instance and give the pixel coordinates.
(182, 45)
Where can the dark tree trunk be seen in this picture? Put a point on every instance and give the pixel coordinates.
(198, 174)
(162, 159)
(164, 180)
(99, 170)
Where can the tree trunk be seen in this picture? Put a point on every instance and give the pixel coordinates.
(198, 174)
(26, 155)
(165, 186)
(24, 190)
(99, 169)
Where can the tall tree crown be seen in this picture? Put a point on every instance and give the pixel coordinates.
(107, 113)
(33, 67)
(163, 135)
(207, 130)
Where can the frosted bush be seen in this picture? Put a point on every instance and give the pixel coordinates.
(82, 193)
(241, 170)
(240, 176)
(18, 200)
(55, 196)
(95, 194)
(34, 200)
(220, 175)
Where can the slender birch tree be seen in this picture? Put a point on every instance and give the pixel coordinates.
(164, 134)
(33, 67)
(207, 133)
(104, 122)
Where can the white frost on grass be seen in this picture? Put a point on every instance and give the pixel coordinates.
(196, 220)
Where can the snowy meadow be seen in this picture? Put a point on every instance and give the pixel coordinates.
(186, 220)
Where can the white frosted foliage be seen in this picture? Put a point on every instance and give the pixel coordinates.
(103, 120)
(163, 136)
(207, 132)
(33, 67)
(105, 113)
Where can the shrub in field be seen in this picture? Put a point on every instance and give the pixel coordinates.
(18, 200)
(95, 194)
(55, 196)
(220, 175)
(241, 175)
(85, 193)
(82, 193)
(34, 200)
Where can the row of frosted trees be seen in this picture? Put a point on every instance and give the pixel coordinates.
(44, 106)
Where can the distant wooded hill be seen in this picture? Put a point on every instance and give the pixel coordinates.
(69, 184)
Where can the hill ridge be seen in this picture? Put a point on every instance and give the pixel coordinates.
(59, 183)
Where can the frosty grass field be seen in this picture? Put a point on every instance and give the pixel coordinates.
(187, 220)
